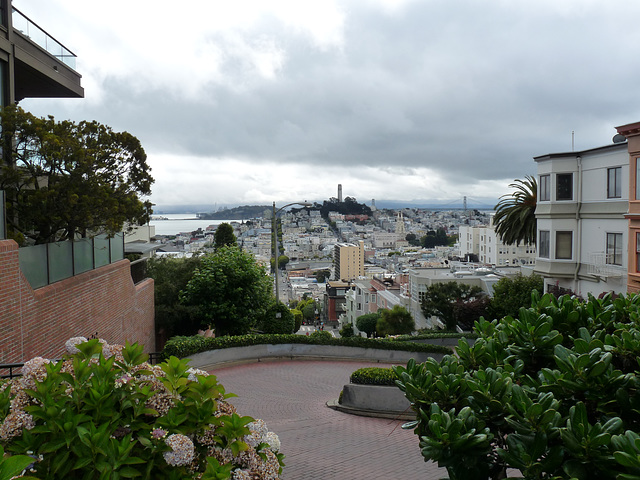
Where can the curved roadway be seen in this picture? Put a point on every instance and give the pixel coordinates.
(321, 443)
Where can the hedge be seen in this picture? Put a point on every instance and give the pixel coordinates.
(374, 376)
(436, 334)
(185, 346)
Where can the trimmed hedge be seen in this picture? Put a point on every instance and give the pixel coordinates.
(374, 376)
(436, 334)
(185, 346)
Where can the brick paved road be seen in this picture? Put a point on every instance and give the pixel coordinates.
(321, 443)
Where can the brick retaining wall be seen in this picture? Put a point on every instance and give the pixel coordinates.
(103, 301)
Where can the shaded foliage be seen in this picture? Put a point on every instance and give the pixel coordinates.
(224, 236)
(67, 179)
(230, 290)
(512, 294)
(367, 323)
(446, 300)
(395, 321)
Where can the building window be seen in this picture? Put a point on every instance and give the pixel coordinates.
(614, 182)
(545, 237)
(564, 186)
(564, 244)
(638, 178)
(637, 251)
(614, 249)
(545, 188)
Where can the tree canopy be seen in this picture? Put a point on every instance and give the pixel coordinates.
(367, 323)
(67, 179)
(224, 236)
(443, 300)
(512, 294)
(231, 290)
(515, 218)
(397, 321)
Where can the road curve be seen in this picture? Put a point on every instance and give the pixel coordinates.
(321, 443)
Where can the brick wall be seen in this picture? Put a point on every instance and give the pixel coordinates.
(103, 301)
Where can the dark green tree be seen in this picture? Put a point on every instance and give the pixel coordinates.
(66, 179)
(231, 290)
(367, 323)
(224, 236)
(309, 312)
(412, 239)
(279, 319)
(515, 218)
(397, 321)
(322, 275)
(512, 294)
(442, 300)
(435, 238)
(171, 275)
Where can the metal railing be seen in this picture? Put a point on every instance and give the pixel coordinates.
(37, 35)
(139, 270)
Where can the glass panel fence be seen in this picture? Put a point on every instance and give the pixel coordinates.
(60, 261)
(117, 247)
(101, 251)
(82, 255)
(33, 263)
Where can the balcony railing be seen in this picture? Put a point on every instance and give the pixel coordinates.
(602, 264)
(37, 35)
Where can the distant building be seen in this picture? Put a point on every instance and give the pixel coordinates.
(482, 244)
(348, 261)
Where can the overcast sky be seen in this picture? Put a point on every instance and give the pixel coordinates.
(257, 101)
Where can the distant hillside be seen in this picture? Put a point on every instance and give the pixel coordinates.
(237, 213)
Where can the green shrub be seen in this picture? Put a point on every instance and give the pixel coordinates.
(185, 346)
(374, 376)
(347, 330)
(284, 323)
(554, 393)
(104, 409)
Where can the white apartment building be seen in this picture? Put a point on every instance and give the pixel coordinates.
(582, 230)
(483, 242)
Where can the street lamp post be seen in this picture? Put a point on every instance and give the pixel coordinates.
(274, 232)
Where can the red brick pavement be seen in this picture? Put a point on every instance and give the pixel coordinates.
(321, 443)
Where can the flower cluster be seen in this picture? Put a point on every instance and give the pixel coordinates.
(182, 450)
(149, 397)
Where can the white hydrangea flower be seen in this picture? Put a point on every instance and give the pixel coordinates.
(182, 450)
(273, 440)
(240, 474)
(33, 365)
(70, 344)
(195, 371)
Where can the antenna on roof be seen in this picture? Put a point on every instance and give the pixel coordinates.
(573, 133)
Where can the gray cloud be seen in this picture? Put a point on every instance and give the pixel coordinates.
(470, 90)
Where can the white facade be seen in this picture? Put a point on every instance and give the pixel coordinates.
(486, 244)
(582, 230)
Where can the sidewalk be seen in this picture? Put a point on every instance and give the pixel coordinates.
(320, 443)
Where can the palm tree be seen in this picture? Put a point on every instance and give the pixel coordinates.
(515, 218)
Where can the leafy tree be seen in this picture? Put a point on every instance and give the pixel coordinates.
(322, 275)
(468, 312)
(66, 179)
(231, 290)
(434, 238)
(367, 323)
(224, 236)
(512, 294)
(412, 239)
(347, 330)
(397, 321)
(515, 219)
(443, 299)
(283, 323)
(282, 261)
(297, 317)
(170, 276)
(309, 312)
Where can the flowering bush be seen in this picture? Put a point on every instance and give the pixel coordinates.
(103, 408)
